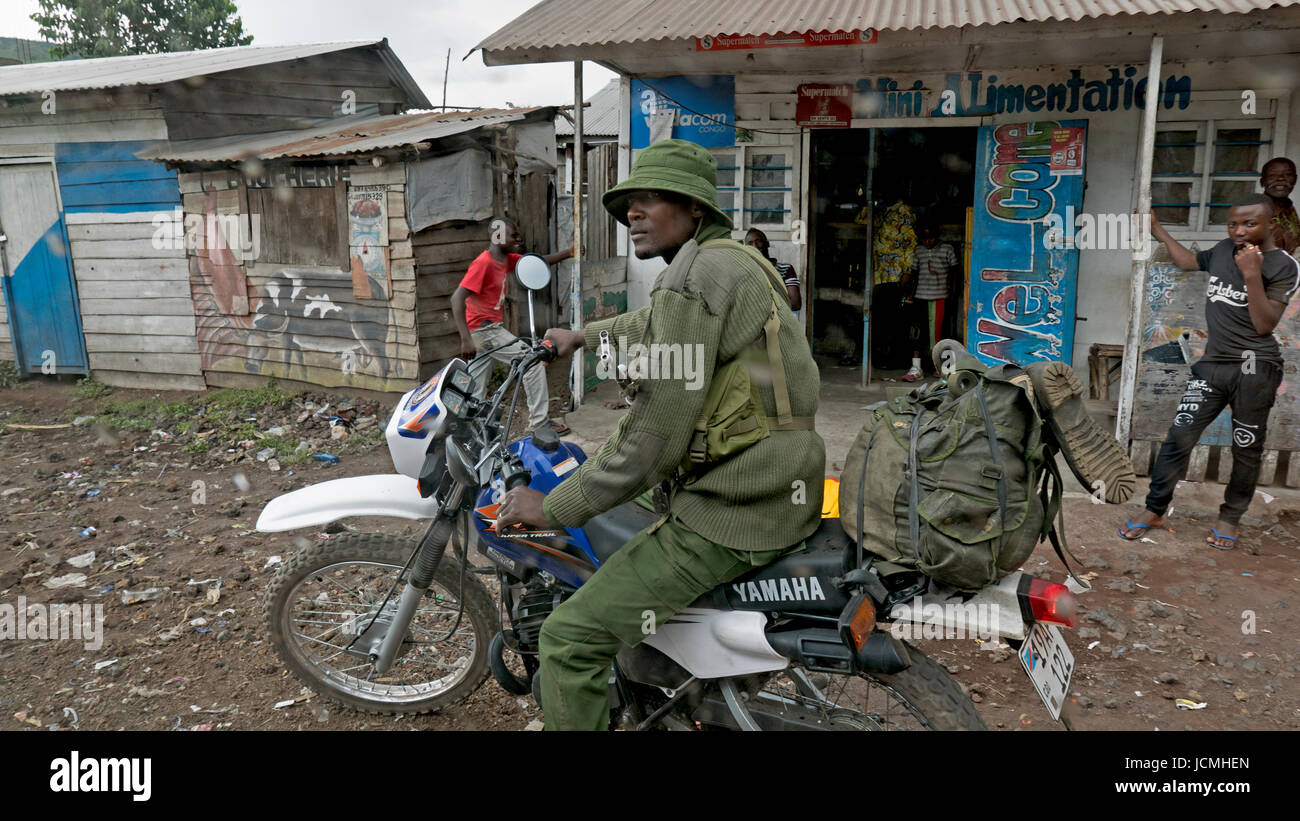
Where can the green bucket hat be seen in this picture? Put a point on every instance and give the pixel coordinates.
(670, 165)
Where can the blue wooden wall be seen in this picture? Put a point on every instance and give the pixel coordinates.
(107, 176)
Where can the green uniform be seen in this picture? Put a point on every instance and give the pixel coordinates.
(727, 518)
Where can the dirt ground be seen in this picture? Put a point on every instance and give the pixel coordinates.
(1168, 620)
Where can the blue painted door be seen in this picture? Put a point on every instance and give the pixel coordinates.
(1024, 279)
(40, 296)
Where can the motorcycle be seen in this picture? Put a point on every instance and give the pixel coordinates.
(812, 641)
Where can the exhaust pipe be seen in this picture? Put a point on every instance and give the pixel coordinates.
(819, 649)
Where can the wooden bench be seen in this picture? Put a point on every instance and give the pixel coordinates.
(1104, 363)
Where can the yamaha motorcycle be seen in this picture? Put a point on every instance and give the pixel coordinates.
(389, 625)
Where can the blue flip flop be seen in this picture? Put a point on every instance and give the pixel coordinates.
(1217, 536)
(1130, 526)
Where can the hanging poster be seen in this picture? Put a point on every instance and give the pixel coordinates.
(368, 215)
(824, 106)
(1067, 151)
(368, 240)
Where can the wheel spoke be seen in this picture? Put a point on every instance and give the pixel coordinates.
(340, 584)
(844, 704)
(318, 641)
(329, 604)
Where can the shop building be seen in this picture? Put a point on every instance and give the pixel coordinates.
(1016, 132)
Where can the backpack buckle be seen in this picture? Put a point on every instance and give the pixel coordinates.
(661, 496)
(992, 474)
(699, 449)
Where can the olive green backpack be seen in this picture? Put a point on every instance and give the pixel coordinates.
(954, 479)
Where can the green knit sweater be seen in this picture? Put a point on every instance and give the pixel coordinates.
(766, 497)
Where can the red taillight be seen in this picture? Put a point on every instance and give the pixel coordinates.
(1051, 602)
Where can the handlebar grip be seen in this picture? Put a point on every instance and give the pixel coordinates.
(518, 480)
(547, 351)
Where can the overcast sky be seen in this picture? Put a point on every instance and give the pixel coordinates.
(420, 31)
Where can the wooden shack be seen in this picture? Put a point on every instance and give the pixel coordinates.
(98, 278)
(327, 256)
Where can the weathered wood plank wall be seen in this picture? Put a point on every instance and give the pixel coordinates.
(122, 210)
(260, 317)
(136, 310)
(92, 137)
(442, 256)
(107, 177)
(80, 116)
(6, 344)
(281, 96)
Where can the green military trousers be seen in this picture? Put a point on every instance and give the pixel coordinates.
(654, 576)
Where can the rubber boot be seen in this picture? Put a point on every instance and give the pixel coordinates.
(1095, 457)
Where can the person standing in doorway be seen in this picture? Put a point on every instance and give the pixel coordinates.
(934, 260)
(1251, 280)
(758, 240)
(476, 306)
(1278, 179)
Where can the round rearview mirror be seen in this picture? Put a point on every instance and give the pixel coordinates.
(533, 272)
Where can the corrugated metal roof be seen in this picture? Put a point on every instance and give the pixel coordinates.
(569, 23)
(155, 69)
(369, 134)
(600, 119)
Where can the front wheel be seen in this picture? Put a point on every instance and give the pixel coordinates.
(326, 604)
(922, 697)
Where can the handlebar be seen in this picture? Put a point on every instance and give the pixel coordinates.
(543, 351)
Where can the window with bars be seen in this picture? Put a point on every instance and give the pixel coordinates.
(761, 195)
(767, 187)
(728, 187)
(1201, 168)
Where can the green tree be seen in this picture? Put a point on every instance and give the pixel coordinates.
(108, 28)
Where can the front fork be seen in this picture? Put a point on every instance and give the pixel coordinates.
(429, 555)
(427, 558)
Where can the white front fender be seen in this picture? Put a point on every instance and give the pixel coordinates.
(382, 495)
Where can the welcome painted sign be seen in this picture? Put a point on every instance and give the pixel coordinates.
(1022, 294)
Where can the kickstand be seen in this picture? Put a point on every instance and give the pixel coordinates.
(1065, 719)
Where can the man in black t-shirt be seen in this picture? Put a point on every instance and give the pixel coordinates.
(1251, 280)
(758, 240)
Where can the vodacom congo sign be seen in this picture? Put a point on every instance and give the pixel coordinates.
(699, 109)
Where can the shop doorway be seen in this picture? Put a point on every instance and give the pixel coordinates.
(872, 192)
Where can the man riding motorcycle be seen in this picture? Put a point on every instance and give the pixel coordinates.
(742, 485)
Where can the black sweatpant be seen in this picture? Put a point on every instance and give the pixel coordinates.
(1212, 387)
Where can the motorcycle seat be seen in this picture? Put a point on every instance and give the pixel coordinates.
(827, 553)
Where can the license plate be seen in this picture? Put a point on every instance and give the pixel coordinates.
(1049, 664)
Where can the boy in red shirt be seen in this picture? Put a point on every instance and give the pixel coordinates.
(476, 305)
